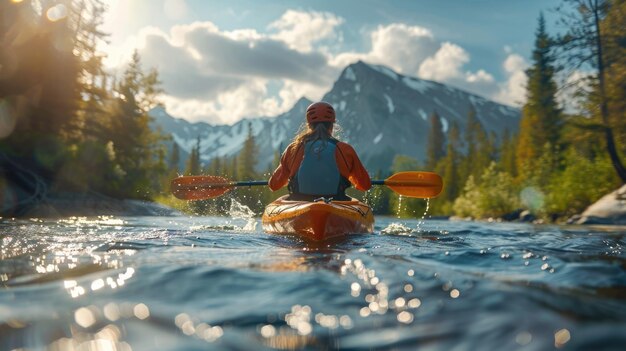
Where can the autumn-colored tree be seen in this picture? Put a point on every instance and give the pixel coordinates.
(594, 39)
(541, 117)
(435, 147)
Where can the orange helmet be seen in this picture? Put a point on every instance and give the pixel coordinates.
(320, 112)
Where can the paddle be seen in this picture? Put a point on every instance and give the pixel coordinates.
(410, 184)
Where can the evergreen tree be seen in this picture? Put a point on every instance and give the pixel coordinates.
(436, 141)
(478, 153)
(615, 52)
(450, 165)
(174, 160)
(507, 154)
(193, 163)
(595, 39)
(541, 117)
(247, 158)
(216, 166)
(136, 145)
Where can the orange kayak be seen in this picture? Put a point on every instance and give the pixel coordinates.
(317, 221)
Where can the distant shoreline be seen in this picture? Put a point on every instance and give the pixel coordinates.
(79, 204)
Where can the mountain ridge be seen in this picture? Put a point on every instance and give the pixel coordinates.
(382, 114)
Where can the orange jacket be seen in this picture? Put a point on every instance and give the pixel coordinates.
(348, 162)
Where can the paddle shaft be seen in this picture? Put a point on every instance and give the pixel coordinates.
(410, 183)
(265, 182)
(250, 183)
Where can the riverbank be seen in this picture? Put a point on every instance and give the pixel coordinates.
(80, 204)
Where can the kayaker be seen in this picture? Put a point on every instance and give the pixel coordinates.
(316, 165)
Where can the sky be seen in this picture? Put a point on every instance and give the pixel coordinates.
(224, 60)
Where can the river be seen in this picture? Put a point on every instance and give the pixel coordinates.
(202, 283)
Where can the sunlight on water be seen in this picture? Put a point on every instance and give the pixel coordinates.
(396, 228)
(101, 220)
(170, 283)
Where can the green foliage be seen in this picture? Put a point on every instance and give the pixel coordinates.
(495, 196)
(582, 182)
(479, 147)
(193, 166)
(72, 125)
(541, 117)
(436, 141)
(449, 169)
(247, 158)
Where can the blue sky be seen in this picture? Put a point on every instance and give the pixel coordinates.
(223, 60)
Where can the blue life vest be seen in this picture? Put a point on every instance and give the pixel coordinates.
(318, 174)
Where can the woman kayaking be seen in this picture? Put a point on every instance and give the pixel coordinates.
(316, 165)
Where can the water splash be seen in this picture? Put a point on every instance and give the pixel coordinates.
(240, 211)
(396, 229)
(399, 211)
(421, 221)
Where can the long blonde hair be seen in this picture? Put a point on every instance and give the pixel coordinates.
(314, 131)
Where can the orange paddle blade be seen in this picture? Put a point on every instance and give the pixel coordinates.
(422, 185)
(200, 187)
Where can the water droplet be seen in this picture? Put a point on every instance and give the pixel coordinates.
(141, 311)
(561, 337)
(414, 303)
(405, 317)
(84, 317)
(267, 331)
(524, 338)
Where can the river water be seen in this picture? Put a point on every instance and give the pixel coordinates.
(202, 283)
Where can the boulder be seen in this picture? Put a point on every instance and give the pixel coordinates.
(610, 209)
(69, 204)
(527, 216)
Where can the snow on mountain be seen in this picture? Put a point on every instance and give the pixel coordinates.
(381, 113)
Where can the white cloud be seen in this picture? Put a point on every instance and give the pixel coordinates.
(414, 51)
(300, 30)
(573, 84)
(444, 65)
(175, 9)
(513, 90)
(222, 76)
(399, 46)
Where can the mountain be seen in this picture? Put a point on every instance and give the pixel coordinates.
(381, 113)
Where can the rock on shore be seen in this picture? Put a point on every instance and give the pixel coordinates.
(90, 205)
(610, 209)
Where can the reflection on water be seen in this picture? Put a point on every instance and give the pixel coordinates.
(173, 283)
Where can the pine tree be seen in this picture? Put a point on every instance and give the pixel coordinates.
(615, 57)
(247, 158)
(450, 163)
(193, 163)
(174, 159)
(541, 117)
(507, 154)
(436, 141)
(478, 153)
(136, 145)
(590, 27)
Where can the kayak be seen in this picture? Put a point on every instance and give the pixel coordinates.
(317, 221)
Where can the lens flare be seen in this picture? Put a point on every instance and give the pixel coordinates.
(57, 12)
